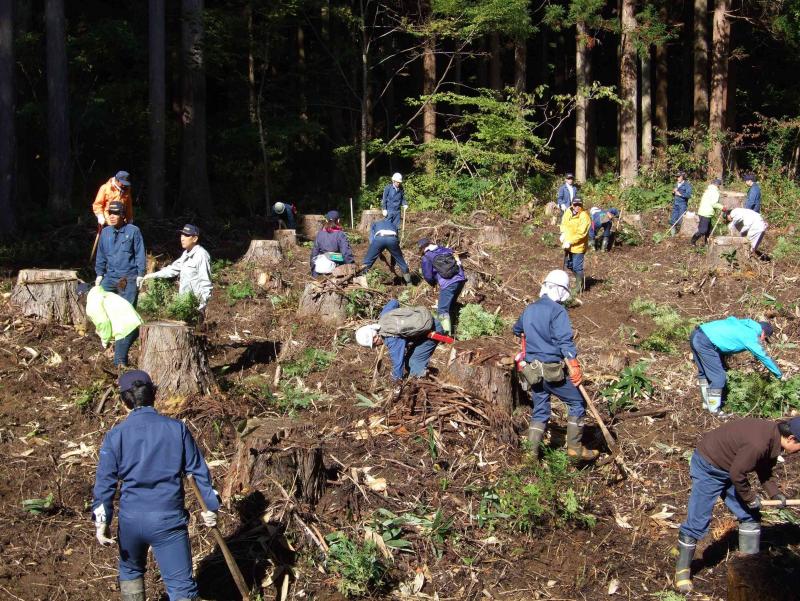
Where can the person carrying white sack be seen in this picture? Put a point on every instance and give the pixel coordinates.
(115, 319)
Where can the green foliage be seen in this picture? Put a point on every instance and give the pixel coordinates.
(361, 305)
(752, 394)
(292, 399)
(668, 596)
(357, 565)
(786, 247)
(239, 291)
(84, 396)
(217, 267)
(184, 307)
(474, 322)
(161, 301)
(629, 236)
(432, 525)
(39, 506)
(631, 386)
(671, 327)
(311, 360)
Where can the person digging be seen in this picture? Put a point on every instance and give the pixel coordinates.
(681, 194)
(441, 266)
(549, 342)
(705, 211)
(720, 468)
(331, 247)
(383, 236)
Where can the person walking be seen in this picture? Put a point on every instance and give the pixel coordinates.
(708, 203)
(681, 194)
(393, 201)
(575, 225)
(193, 267)
(746, 222)
(719, 469)
(116, 189)
(566, 193)
(711, 340)
(148, 455)
(549, 341)
(441, 266)
(753, 200)
(331, 247)
(120, 264)
(383, 236)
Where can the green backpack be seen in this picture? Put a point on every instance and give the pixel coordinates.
(408, 322)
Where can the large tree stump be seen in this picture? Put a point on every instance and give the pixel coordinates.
(175, 358)
(485, 373)
(689, 224)
(758, 578)
(263, 252)
(369, 217)
(286, 239)
(322, 303)
(492, 235)
(310, 225)
(552, 213)
(277, 450)
(728, 252)
(51, 294)
(732, 200)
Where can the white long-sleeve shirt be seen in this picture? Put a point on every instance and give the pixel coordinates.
(746, 220)
(194, 268)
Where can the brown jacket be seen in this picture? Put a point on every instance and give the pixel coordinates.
(744, 446)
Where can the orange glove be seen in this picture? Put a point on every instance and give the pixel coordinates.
(575, 372)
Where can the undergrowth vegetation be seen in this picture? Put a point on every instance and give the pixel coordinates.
(162, 301)
(671, 327)
(310, 360)
(357, 566)
(631, 386)
(474, 321)
(756, 395)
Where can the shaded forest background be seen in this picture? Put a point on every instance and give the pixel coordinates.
(220, 108)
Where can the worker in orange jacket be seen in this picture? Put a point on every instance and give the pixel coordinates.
(116, 189)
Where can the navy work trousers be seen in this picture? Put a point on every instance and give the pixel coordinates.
(381, 243)
(708, 360)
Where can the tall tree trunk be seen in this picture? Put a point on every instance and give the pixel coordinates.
(520, 64)
(8, 139)
(251, 63)
(58, 107)
(495, 63)
(627, 111)
(365, 96)
(719, 87)
(301, 71)
(581, 102)
(195, 192)
(662, 90)
(700, 63)
(158, 99)
(428, 86)
(647, 111)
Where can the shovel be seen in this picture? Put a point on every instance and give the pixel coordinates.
(96, 240)
(789, 503)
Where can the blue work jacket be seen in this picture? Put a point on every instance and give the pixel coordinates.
(150, 454)
(398, 347)
(733, 335)
(384, 225)
(565, 195)
(684, 191)
(429, 272)
(548, 332)
(753, 201)
(331, 241)
(393, 198)
(120, 252)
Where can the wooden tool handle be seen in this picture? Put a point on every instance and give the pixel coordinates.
(776, 503)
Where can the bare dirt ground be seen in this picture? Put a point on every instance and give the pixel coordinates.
(49, 444)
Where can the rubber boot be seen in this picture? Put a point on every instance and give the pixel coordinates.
(535, 436)
(575, 448)
(714, 400)
(580, 282)
(446, 325)
(132, 590)
(749, 538)
(606, 244)
(407, 278)
(683, 568)
(703, 384)
(695, 238)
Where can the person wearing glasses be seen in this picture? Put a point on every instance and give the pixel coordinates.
(116, 189)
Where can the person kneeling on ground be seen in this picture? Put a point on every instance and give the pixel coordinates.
(331, 247)
(441, 266)
(193, 267)
(115, 319)
(548, 341)
(383, 236)
(708, 202)
(711, 340)
(746, 222)
(149, 454)
(719, 469)
(601, 219)
(409, 334)
(574, 239)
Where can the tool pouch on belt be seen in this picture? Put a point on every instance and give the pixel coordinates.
(553, 372)
(536, 371)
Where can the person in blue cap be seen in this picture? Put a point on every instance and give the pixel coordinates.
(681, 194)
(719, 469)
(753, 200)
(193, 267)
(148, 455)
(441, 266)
(602, 222)
(383, 236)
(713, 339)
(331, 247)
(120, 264)
(394, 200)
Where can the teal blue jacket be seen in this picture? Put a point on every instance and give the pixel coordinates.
(734, 335)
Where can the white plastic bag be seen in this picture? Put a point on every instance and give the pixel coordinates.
(323, 264)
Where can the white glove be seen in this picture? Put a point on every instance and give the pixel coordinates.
(97, 280)
(209, 518)
(101, 220)
(139, 281)
(103, 534)
(565, 245)
(384, 212)
(404, 207)
(149, 276)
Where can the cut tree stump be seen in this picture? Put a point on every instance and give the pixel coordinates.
(310, 225)
(726, 252)
(345, 271)
(50, 294)
(277, 449)
(732, 200)
(175, 358)
(286, 239)
(369, 217)
(271, 282)
(760, 578)
(689, 224)
(552, 212)
(633, 220)
(323, 303)
(263, 253)
(492, 235)
(486, 374)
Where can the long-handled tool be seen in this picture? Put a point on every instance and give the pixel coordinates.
(96, 240)
(226, 552)
(789, 503)
(403, 231)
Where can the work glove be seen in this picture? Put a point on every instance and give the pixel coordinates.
(97, 280)
(384, 212)
(755, 504)
(782, 498)
(565, 245)
(101, 220)
(149, 276)
(139, 281)
(575, 372)
(103, 534)
(405, 207)
(209, 518)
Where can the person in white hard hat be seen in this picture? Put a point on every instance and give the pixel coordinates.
(285, 214)
(394, 200)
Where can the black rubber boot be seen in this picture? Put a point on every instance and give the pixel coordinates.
(683, 569)
(606, 244)
(132, 590)
(695, 238)
(535, 436)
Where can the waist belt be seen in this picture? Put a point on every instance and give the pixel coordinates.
(386, 233)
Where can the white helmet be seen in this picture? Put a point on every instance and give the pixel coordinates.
(397, 178)
(279, 208)
(556, 286)
(365, 334)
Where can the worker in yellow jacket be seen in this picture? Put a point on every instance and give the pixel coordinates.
(575, 226)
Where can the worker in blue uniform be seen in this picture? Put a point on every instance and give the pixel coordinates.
(149, 454)
(753, 200)
(120, 264)
(549, 342)
(383, 236)
(681, 194)
(393, 201)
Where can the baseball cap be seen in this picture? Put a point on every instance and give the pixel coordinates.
(749, 177)
(129, 378)
(794, 426)
(116, 207)
(190, 230)
(123, 177)
(767, 328)
(332, 215)
(423, 242)
(569, 176)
